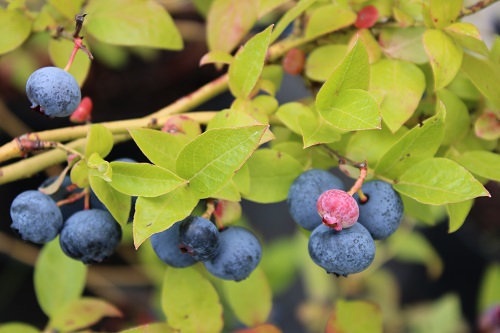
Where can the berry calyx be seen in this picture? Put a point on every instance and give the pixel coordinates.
(367, 17)
(338, 210)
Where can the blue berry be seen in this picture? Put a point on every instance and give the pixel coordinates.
(239, 254)
(62, 193)
(54, 90)
(35, 217)
(199, 237)
(382, 213)
(342, 252)
(166, 246)
(90, 236)
(304, 193)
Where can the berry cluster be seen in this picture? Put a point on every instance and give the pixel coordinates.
(318, 202)
(230, 254)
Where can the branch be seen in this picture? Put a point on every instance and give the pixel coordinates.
(476, 7)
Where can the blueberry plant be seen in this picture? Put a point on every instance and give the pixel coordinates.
(404, 103)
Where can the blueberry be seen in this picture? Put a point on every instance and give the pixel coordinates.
(239, 254)
(199, 237)
(35, 217)
(90, 236)
(62, 193)
(304, 193)
(383, 212)
(342, 252)
(166, 246)
(54, 90)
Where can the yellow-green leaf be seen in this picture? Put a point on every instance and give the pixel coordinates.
(68, 8)
(482, 163)
(467, 35)
(329, 18)
(289, 16)
(15, 28)
(99, 140)
(190, 302)
(485, 75)
(323, 60)
(355, 317)
(457, 213)
(116, 202)
(445, 12)
(489, 293)
(14, 327)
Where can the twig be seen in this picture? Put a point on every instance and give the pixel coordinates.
(476, 7)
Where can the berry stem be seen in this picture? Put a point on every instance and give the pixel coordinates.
(210, 209)
(341, 159)
(72, 198)
(363, 169)
(362, 197)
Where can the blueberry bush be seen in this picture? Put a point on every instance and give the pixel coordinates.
(398, 134)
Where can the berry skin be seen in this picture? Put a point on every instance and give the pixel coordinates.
(199, 237)
(166, 246)
(304, 193)
(337, 209)
(90, 236)
(343, 252)
(239, 254)
(35, 217)
(367, 17)
(383, 212)
(293, 61)
(54, 90)
(83, 112)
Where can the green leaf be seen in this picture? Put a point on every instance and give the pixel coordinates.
(321, 21)
(352, 73)
(355, 317)
(58, 279)
(13, 327)
(457, 121)
(190, 302)
(401, 84)
(99, 167)
(265, 6)
(280, 264)
(159, 147)
(467, 35)
(15, 28)
(239, 17)
(68, 9)
(295, 150)
(216, 57)
(81, 313)
(413, 247)
(289, 114)
(489, 293)
(487, 126)
(323, 60)
(150, 328)
(142, 179)
(99, 140)
(229, 191)
(316, 130)
(242, 179)
(482, 163)
(457, 213)
(80, 174)
(207, 170)
(445, 56)
(439, 181)
(59, 52)
(485, 75)
(250, 299)
(352, 109)
(445, 12)
(156, 214)
(132, 23)
(419, 143)
(248, 63)
(116, 202)
(404, 44)
(289, 16)
(429, 214)
(271, 175)
(444, 315)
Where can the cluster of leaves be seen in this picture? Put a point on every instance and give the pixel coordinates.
(415, 96)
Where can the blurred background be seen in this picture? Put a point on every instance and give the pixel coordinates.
(449, 277)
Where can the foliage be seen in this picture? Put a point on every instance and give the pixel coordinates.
(415, 96)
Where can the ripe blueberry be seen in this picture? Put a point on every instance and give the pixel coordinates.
(239, 254)
(342, 252)
(166, 246)
(90, 236)
(383, 212)
(54, 90)
(337, 209)
(304, 193)
(35, 217)
(199, 237)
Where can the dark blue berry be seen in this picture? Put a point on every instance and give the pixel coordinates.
(342, 252)
(54, 90)
(35, 217)
(382, 213)
(166, 246)
(304, 193)
(239, 254)
(199, 237)
(90, 236)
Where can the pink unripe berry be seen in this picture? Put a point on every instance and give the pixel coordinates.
(337, 209)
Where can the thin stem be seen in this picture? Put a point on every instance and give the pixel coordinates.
(476, 7)
(210, 209)
(363, 169)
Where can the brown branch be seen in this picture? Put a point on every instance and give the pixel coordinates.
(476, 7)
